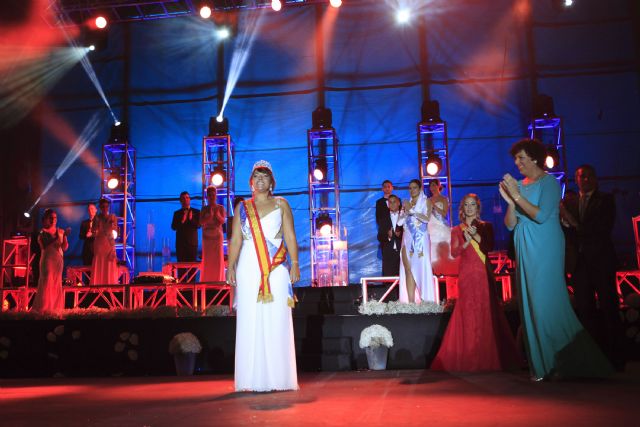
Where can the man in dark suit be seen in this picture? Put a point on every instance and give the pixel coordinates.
(390, 238)
(186, 222)
(382, 207)
(86, 235)
(591, 216)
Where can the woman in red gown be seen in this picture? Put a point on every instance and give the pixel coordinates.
(478, 337)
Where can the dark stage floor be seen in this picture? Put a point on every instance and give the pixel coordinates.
(371, 398)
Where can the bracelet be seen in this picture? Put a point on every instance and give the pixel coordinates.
(515, 200)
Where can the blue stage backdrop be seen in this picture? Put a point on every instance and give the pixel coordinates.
(160, 78)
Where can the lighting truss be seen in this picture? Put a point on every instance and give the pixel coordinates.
(218, 155)
(433, 141)
(77, 12)
(120, 158)
(329, 252)
(548, 130)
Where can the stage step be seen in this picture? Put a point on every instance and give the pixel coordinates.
(330, 300)
(325, 353)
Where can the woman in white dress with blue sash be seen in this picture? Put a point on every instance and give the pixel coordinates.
(265, 358)
(416, 277)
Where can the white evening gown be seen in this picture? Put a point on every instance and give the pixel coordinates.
(416, 243)
(265, 349)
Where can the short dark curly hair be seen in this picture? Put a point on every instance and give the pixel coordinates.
(533, 148)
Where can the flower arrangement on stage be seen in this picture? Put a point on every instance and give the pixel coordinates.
(184, 342)
(375, 336)
(395, 307)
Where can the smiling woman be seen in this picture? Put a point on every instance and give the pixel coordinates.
(557, 344)
(265, 351)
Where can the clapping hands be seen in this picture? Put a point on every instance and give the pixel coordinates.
(509, 189)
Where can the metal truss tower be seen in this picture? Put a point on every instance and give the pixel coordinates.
(119, 162)
(548, 130)
(329, 251)
(218, 163)
(433, 148)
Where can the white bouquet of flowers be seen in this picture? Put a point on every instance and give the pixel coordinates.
(184, 342)
(375, 336)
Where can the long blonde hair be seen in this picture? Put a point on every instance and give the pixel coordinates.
(475, 197)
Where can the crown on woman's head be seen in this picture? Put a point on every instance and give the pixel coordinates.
(262, 164)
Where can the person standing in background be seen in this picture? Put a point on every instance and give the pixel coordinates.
(186, 222)
(86, 235)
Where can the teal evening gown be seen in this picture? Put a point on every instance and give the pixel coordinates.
(557, 344)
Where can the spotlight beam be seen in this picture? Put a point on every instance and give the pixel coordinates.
(88, 134)
(88, 68)
(242, 50)
(29, 78)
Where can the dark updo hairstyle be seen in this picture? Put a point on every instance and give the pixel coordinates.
(533, 148)
(104, 200)
(475, 197)
(417, 181)
(47, 213)
(265, 171)
(437, 182)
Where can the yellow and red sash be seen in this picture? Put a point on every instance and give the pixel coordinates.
(475, 244)
(266, 261)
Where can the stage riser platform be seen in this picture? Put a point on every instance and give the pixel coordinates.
(322, 343)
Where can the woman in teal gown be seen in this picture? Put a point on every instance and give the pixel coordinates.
(557, 344)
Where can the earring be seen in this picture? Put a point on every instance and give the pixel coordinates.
(535, 161)
(271, 189)
(253, 189)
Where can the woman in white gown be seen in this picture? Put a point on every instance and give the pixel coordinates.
(416, 278)
(439, 231)
(104, 268)
(265, 358)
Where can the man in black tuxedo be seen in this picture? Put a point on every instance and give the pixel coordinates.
(591, 217)
(186, 222)
(86, 235)
(382, 205)
(390, 238)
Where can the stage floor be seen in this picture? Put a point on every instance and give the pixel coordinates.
(369, 398)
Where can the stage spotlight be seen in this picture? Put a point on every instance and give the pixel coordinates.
(118, 132)
(431, 111)
(223, 33)
(324, 224)
(568, 3)
(114, 233)
(113, 181)
(335, 3)
(205, 12)
(92, 47)
(218, 177)
(276, 5)
(433, 165)
(320, 169)
(27, 214)
(553, 157)
(218, 127)
(321, 118)
(403, 16)
(101, 22)
(543, 107)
